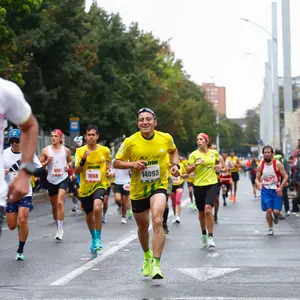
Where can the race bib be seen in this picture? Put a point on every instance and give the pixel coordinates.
(176, 180)
(92, 176)
(58, 170)
(150, 174)
(269, 180)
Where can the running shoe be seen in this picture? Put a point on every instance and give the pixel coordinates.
(191, 206)
(20, 256)
(104, 220)
(123, 221)
(147, 265)
(211, 242)
(204, 240)
(231, 197)
(275, 218)
(234, 199)
(75, 208)
(59, 234)
(156, 272)
(130, 213)
(166, 228)
(270, 232)
(177, 220)
(98, 244)
(224, 203)
(288, 213)
(93, 246)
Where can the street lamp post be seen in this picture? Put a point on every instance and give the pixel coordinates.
(273, 60)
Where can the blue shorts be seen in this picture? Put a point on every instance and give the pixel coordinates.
(24, 202)
(270, 199)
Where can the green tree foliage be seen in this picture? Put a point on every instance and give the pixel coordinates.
(90, 65)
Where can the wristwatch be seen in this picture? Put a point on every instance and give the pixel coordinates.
(28, 167)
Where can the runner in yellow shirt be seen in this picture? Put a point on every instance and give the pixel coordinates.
(92, 162)
(235, 164)
(146, 153)
(204, 163)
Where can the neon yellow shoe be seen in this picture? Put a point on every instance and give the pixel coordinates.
(191, 206)
(147, 266)
(156, 272)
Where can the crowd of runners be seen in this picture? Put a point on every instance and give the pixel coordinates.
(146, 171)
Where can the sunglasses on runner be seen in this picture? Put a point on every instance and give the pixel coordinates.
(146, 109)
(14, 140)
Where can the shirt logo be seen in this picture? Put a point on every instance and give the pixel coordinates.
(161, 150)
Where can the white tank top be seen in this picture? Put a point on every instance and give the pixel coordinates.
(270, 177)
(57, 168)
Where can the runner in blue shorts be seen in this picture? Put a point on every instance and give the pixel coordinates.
(268, 178)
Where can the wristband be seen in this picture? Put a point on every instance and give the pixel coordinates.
(82, 162)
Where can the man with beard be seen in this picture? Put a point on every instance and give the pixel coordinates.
(268, 180)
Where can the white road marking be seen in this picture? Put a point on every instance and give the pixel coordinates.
(104, 255)
(204, 274)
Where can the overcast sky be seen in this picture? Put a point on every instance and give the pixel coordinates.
(212, 41)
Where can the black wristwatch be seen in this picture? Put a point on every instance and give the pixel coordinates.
(28, 167)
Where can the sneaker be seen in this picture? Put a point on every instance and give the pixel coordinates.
(75, 208)
(130, 214)
(231, 197)
(20, 256)
(275, 218)
(204, 240)
(166, 228)
(123, 221)
(211, 242)
(1, 217)
(177, 220)
(119, 209)
(192, 206)
(270, 232)
(104, 220)
(195, 206)
(93, 246)
(224, 203)
(216, 219)
(147, 265)
(156, 272)
(288, 213)
(234, 199)
(59, 234)
(98, 244)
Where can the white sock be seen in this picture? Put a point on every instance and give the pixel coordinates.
(60, 224)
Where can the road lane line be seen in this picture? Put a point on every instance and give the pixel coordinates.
(104, 255)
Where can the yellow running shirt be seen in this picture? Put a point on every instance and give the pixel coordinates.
(155, 152)
(204, 174)
(233, 162)
(93, 175)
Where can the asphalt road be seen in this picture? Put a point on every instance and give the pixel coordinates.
(246, 263)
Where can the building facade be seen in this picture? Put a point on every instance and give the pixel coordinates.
(216, 95)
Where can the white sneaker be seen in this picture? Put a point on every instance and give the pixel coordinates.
(123, 221)
(211, 242)
(177, 220)
(174, 220)
(204, 240)
(59, 234)
(270, 232)
(288, 213)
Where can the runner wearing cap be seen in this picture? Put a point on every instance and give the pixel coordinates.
(57, 159)
(204, 162)
(17, 212)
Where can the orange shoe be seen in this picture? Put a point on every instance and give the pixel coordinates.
(234, 199)
(231, 197)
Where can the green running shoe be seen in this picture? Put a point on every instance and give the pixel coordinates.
(147, 266)
(98, 244)
(191, 206)
(20, 256)
(156, 272)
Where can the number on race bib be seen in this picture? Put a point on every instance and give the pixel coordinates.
(92, 176)
(150, 174)
(57, 171)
